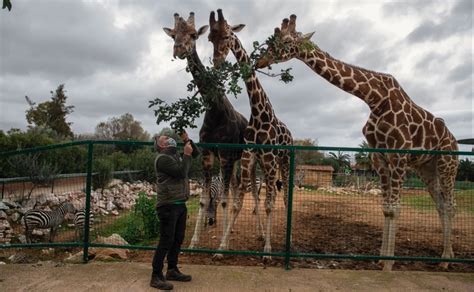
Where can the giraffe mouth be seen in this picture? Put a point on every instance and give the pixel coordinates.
(263, 62)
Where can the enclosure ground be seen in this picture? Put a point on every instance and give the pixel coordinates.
(129, 276)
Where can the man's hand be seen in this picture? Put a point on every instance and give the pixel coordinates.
(184, 136)
(188, 149)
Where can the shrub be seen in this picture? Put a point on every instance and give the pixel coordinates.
(103, 169)
(145, 210)
(143, 159)
(142, 223)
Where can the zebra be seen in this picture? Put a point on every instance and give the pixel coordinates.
(217, 188)
(80, 222)
(259, 183)
(46, 219)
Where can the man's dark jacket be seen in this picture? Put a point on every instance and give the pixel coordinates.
(172, 177)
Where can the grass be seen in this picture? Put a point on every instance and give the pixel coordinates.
(464, 201)
(415, 182)
(120, 224)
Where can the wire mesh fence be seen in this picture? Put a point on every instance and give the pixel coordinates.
(334, 210)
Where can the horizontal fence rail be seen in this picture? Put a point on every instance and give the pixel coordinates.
(333, 210)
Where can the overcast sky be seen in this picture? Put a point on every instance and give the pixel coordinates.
(113, 57)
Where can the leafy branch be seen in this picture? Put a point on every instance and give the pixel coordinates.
(209, 86)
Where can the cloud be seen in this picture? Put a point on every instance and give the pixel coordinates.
(114, 57)
(458, 20)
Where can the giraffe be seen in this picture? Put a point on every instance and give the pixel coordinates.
(263, 128)
(395, 122)
(221, 124)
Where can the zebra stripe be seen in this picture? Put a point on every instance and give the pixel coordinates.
(80, 222)
(46, 219)
(217, 187)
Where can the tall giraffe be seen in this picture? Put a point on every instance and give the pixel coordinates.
(222, 123)
(263, 128)
(395, 122)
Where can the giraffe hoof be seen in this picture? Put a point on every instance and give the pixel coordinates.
(218, 256)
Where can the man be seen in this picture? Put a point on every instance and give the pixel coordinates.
(172, 194)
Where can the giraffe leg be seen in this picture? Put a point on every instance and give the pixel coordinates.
(255, 194)
(247, 156)
(207, 161)
(447, 168)
(391, 174)
(439, 179)
(285, 171)
(228, 170)
(270, 178)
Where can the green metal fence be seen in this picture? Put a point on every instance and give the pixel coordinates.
(333, 212)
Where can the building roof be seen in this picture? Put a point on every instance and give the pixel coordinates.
(327, 168)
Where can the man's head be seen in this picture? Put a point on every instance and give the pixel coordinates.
(164, 142)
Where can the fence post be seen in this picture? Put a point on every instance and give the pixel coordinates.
(90, 151)
(289, 209)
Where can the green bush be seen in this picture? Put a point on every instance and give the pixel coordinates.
(143, 160)
(145, 210)
(103, 169)
(142, 223)
(120, 160)
(133, 232)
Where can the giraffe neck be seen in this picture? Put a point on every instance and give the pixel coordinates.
(255, 90)
(372, 87)
(197, 69)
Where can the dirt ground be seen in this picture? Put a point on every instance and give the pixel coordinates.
(327, 224)
(335, 224)
(127, 276)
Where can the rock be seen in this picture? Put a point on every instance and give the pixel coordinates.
(103, 212)
(3, 215)
(21, 259)
(10, 204)
(115, 213)
(76, 258)
(110, 206)
(3, 263)
(113, 239)
(110, 254)
(22, 238)
(15, 217)
(375, 192)
(37, 232)
(3, 206)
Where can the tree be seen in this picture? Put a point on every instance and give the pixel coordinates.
(39, 172)
(7, 4)
(124, 127)
(311, 157)
(51, 114)
(465, 170)
(341, 160)
(363, 158)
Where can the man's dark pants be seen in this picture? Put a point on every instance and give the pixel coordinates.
(172, 228)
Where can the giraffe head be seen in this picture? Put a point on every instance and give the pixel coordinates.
(221, 36)
(184, 35)
(285, 44)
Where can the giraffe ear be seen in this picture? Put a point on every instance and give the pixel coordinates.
(168, 31)
(203, 29)
(238, 27)
(307, 36)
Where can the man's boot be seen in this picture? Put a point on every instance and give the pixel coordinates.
(158, 281)
(175, 275)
